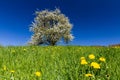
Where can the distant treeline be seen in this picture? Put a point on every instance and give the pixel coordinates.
(114, 45)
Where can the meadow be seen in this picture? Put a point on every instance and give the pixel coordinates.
(59, 63)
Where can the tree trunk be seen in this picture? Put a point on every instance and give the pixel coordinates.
(52, 44)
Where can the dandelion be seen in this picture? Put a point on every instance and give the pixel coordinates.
(82, 58)
(88, 75)
(102, 59)
(95, 65)
(4, 68)
(38, 74)
(83, 62)
(12, 71)
(24, 49)
(92, 56)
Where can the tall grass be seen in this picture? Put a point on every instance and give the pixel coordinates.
(57, 63)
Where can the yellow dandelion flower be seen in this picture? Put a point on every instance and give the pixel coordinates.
(82, 58)
(102, 59)
(4, 68)
(95, 65)
(83, 62)
(38, 74)
(24, 49)
(12, 71)
(92, 56)
(88, 75)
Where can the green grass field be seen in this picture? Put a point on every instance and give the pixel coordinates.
(58, 63)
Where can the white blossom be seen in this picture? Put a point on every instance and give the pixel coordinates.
(49, 27)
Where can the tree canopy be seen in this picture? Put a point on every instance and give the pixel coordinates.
(49, 27)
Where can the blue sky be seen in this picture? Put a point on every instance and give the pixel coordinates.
(96, 22)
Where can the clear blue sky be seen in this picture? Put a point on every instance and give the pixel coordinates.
(96, 22)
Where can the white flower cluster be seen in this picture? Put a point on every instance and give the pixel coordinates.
(49, 27)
